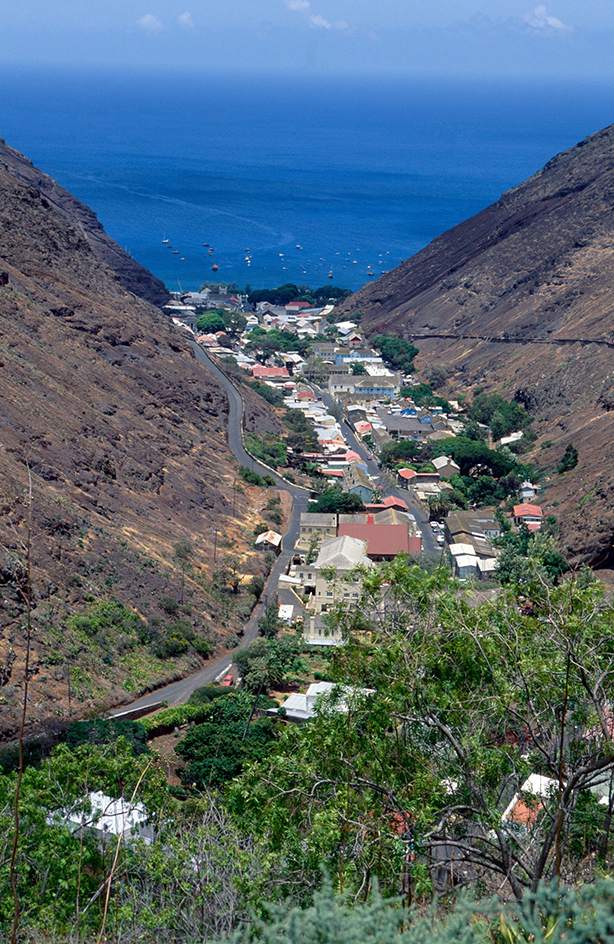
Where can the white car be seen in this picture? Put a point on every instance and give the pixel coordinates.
(440, 538)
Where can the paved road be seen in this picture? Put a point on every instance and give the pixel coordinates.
(178, 692)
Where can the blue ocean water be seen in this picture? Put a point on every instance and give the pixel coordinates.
(359, 174)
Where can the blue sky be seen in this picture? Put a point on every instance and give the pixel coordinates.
(424, 37)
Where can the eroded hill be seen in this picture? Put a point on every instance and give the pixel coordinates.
(520, 299)
(121, 437)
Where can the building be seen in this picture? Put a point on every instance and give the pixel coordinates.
(357, 482)
(446, 467)
(323, 525)
(319, 696)
(338, 556)
(384, 541)
(270, 541)
(531, 515)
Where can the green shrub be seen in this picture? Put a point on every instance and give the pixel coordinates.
(169, 605)
(106, 731)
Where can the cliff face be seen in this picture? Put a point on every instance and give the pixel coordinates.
(132, 276)
(120, 436)
(520, 299)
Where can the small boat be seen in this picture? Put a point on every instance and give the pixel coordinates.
(298, 247)
(175, 252)
(214, 267)
(165, 240)
(183, 259)
(206, 244)
(211, 252)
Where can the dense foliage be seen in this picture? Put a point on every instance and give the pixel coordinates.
(334, 499)
(396, 352)
(502, 416)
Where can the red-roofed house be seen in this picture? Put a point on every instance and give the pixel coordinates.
(392, 502)
(529, 515)
(259, 372)
(384, 541)
(404, 477)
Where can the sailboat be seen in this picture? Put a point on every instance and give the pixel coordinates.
(164, 239)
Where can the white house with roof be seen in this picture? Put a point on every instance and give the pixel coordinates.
(320, 696)
(446, 467)
(332, 572)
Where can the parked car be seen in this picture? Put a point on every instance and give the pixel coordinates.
(228, 680)
(440, 538)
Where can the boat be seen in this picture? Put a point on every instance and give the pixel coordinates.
(214, 267)
(206, 244)
(175, 252)
(165, 240)
(211, 252)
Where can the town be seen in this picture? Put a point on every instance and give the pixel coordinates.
(365, 412)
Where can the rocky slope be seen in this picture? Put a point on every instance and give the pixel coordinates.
(120, 436)
(520, 299)
(133, 276)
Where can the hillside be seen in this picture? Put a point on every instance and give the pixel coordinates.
(520, 299)
(132, 276)
(123, 436)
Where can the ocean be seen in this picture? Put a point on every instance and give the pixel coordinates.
(304, 179)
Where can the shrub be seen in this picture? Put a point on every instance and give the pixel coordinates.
(169, 605)
(105, 731)
(202, 646)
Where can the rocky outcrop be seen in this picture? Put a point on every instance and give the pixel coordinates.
(132, 276)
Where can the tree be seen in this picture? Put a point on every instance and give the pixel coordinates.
(269, 624)
(265, 662)
(396, 352)
(211, 322)
(358, 369)
(215, 750)
(315, 370)
(466, 702)
(569, 460)
(182, 553)
(333, 499)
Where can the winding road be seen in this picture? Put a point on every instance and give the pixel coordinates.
(178, 692)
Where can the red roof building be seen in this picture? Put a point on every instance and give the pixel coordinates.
(259, 372)
(393, 502)
(384, 541)
(405, 476)
(531, 515)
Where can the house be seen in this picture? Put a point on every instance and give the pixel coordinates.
(524, 810)
(527, 491)
(319, 696)
(317, 633)
(531, 515)
(342, 555)
(405, 477)
(446, 467)
(384, 541)
(323, 525)
(357, 482)
(270, 541)
(106, 816)
(405, 427)
(259, 372)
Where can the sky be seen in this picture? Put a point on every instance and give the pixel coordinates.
(565, 38)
